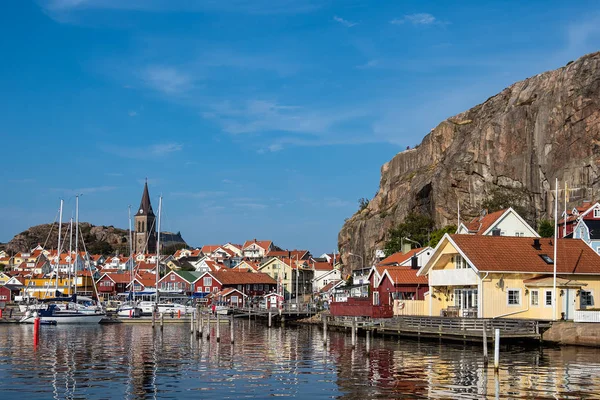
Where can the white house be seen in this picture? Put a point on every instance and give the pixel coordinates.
(500, 223)
(324, 273)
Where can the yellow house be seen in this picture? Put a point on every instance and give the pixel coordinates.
(513, 277)
(44, 286)
(288, 276)
(4, 278)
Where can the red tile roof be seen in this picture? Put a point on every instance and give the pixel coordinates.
(264, 244)
(209, 248)
(481, 224)
(517, 254)
(242, 278)
(399, 258)
(405, 275)
(330, 285)
(322, 266)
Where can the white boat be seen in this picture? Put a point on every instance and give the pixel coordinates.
(129, 311)
(61, 317)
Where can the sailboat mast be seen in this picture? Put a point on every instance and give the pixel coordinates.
(76, 238)
(131, 263)
(158, 248)
(58, 249)
(70, 254)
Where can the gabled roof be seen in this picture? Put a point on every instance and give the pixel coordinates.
(209, 248)
(227, 291)
(481, 224)
(404, 275)
(189, 276)
(518, 254)
(400, 257)
(593, 226)
(116, 277)
(331, 285)
(294, 254)
(263, 244)
(322, 266)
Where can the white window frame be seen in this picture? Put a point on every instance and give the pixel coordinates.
(537, 292)
(546, 298)
(460, 262)
(207, 289)
(596, 213)
(583, 306)
(518, 298)
(172, 277)
(207, 281)
(376, 298)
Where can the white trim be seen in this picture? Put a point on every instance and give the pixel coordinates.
(531, 297)
(582, 306)
(586, 212)
(546, 291)
(508, 290)
(433, 260)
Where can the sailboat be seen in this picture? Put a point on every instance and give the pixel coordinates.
(62, 310)
(130, 309)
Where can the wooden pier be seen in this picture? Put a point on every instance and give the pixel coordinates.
(455, 329)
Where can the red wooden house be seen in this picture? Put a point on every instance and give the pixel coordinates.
(400, 283)
(110, 285)
(249, 283)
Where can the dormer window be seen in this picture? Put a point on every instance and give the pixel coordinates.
(547, 258)
(596, 212)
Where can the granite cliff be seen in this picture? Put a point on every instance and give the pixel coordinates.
(536, 130)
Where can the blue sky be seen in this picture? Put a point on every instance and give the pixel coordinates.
(262, 119)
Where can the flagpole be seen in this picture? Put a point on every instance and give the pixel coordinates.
(565, 216)
(555, 251)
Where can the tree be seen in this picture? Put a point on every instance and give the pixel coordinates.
(362, 203)
(546, 228)
(100, 247)
(415, 227)
(438, 234)
(502, 198)
(172, 248)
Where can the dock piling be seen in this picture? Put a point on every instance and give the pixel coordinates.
(497, 350)
(192, 323)
(153, 318)
(270, 319)
(218, 329)
(231, 328)
(324, 330)
(368, 333)
(485, 348)
(353, 332)
(162, 320)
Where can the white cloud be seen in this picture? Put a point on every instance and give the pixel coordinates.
(132, 113)
(85, 190)
(251, 206)
(416, 19)
(345, 22)
(160, 149)
(166, 79)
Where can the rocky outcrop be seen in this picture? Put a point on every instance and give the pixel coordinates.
(97, 239)
(539, 129)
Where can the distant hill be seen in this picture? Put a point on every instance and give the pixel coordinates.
(104, 240)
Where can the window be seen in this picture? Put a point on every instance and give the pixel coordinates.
(535, 298)
(519, 234)
(234, 300)
(514, 297)
(548, 297)
(547, 258)
(460, 263)
(207, 289)
(596, 213)
(587, 298)
(375, 298)
(215, 289)
(208, 281)
(172, 277)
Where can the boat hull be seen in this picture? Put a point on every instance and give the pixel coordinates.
(129, 312)
(62, 319)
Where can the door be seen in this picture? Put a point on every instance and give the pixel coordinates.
(569, 298)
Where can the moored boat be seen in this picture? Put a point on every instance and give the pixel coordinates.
(60, 317)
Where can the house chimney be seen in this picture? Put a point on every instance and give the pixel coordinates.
(414, 262)
(536, 244)
(406, 247)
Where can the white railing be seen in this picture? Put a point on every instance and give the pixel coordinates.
(586, 316)
(453, 277)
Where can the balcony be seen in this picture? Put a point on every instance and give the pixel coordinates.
(453, 277)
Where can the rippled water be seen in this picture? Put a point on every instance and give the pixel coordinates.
(133, 361)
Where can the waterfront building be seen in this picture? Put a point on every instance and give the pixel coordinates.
(255, 249)
(251, 284)
(179, 282)
(494, 277)
(500, 223)
(112, 284)
(588, 227)
(293, 277)
(323, 273)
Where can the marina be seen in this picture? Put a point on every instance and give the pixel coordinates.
(135, 361)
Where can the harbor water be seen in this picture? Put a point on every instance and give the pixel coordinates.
(135, 361)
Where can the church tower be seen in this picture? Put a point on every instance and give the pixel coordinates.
(145, 227)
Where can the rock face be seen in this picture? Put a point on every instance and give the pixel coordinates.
(537, 130)
(98, 239)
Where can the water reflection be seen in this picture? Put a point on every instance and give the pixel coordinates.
(134, 362)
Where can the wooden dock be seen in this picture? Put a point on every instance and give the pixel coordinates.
(454, 329)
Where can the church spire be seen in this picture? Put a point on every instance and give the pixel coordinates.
(145, 205)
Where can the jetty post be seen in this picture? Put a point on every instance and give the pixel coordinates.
(497, 350)
(153, 317)
(485, 349)
(201, 324)
(353, 332)
(270, 319)
(162, 321)
(231, 326)
(324, 330)
(218, 329)
(208, 326)
(192, 322)
(368, 333)
(36, 331)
